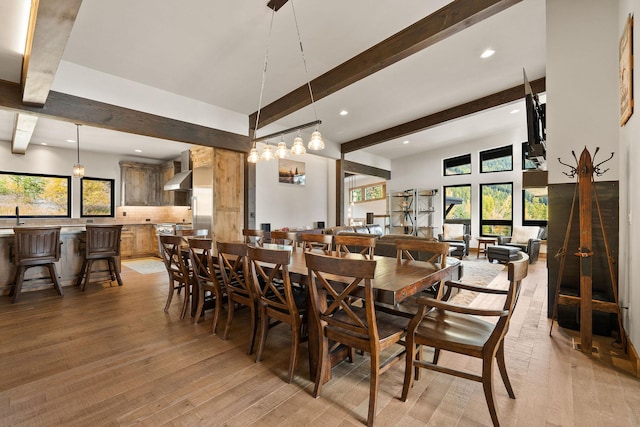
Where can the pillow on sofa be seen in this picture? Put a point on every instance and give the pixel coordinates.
(453, 231)
(522, 234)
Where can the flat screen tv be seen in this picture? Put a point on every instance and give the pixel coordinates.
(536, 125)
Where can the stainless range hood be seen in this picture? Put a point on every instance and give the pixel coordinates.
(182, 180)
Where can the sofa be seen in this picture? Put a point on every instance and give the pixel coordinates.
(527, 238)
(457, 235)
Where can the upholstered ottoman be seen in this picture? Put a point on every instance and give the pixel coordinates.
(502, 253)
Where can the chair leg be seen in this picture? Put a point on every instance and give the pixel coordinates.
(112, 262)
(418, 356)
(487, 385)
(87, 277)
(295, 345)
(230, 310)
(264, 329)
(374, 381)
(185, 304)
(253, 324)
(216, 311)
(322, 362)
(503, 370)
(17, 287)
(410, 356)
(54, 276)
(200, 307)
(170, 297)
(83, 271)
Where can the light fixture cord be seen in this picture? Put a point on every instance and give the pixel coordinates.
(264, 75)
(78, 141)
(304, 61)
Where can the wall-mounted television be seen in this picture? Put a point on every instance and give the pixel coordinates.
(536, 126)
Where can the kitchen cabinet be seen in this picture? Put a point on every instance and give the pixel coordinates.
(140, 184)
(138, 240)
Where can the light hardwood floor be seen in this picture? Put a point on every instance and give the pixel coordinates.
(111, 356)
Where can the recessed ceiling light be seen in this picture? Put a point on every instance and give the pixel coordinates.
(71, 140)
(344, 112)
(514, 111)
(43, 143)
(137, 150)
(487, 53)
(405, 141)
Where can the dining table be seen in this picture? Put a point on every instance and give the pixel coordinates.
(394, 281)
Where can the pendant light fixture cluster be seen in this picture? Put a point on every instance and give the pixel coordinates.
(281, 150)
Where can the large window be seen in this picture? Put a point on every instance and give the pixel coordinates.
(97, 197)
(460, 165)
(535, 206)
(368, 193)
(457, 204)
(35, 195)
(497, 159)
(496, 207)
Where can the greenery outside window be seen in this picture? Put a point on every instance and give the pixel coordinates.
(457, 213)
(36, 195)
(497, 159)
(535, 206)
(496, 207)
(526, 163)
(97, 197)
(460, 165)
(369, 192)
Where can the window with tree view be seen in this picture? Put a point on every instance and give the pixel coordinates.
(97, 198)
(35, 195)
(496, 207)
(460, 165)
(457, 204)
(497, 159)
(535, 206)
(369, 192)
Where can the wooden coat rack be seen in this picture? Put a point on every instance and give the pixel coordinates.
(585, 190)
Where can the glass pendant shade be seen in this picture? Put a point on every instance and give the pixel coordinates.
(78, 170)
(282, 152)
(267, 153)
(298, 146)
(316, 142)
(253, 156)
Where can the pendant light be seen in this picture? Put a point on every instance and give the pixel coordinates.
(78, 169)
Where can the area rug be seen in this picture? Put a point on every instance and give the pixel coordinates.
(145, 265)
(479, 272)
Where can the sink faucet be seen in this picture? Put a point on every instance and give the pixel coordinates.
(18, 216)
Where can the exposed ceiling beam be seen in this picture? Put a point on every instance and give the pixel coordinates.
(417, 125)
(22, 131)
(106, 116)
(50, 25)
(454, 17)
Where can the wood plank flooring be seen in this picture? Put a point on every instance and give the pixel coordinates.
(111, 356)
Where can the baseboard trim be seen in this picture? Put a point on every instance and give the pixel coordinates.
(633, 358)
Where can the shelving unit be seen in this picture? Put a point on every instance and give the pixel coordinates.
(411, 212)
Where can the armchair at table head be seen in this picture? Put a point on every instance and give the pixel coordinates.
(458, 235)
(527, 238)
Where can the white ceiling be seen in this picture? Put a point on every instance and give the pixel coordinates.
(213, 51)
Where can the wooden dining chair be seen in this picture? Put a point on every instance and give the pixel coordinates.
(366, 243)
(314, 241)
(278, 302)
(175, 263)
(255, 237)
(460, 329)
(232, 259)
(206, 274)
(284, 238)
(437, 253)
(347, 314)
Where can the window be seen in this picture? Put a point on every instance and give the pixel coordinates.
(497, 159)
(369, 192)
(97, 198)
(457, 204)
(535, 206)
(460, 165)
(526, 163)
(496, 207)
(36, 195)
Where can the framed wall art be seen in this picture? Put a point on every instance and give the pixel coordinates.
(291, 172)
(626, 72)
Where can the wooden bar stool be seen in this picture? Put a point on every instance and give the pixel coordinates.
(102, 243)
(35, 247)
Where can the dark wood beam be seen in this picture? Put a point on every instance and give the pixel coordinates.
(417, 125)
(50, 24)
(449, 20)
(362, 169)
(276, 4)
(74, 109)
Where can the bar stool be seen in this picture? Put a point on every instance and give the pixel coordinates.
(35, 247)
(102, 243)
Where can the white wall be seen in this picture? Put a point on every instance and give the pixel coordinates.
(425, 171)
(628, 160)
(59, 161)
(359, 210)
(287, 205)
